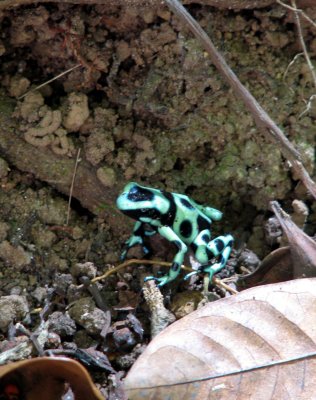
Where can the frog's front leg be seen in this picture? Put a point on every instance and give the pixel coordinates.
(219, 247)
(136, 238)
(169, 234)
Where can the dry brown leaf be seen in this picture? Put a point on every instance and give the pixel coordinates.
(303, 247)
(275, 267)
(259, 344)
(44, 377)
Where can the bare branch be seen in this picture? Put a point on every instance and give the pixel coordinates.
(262, 119)
(302, 42)
(297, 10)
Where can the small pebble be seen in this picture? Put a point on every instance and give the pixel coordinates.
(13, 308)
(62, 324)
(124, 338)
(87, 315)
(85, 269)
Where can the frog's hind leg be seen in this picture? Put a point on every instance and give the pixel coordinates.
(219, 247)
(169, 234)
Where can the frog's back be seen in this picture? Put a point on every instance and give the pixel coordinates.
(189, 219)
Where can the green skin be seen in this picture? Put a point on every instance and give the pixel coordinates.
(178, 219)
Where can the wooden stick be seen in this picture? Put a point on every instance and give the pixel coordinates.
(114, 270)
(262, 119)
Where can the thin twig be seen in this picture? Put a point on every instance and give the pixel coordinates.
(306, 55)
(114, 270)
(51, 80)
(302, 42)
(290, 65)
(135, 261)
(72, 186)
(262, 119)
(303, 14)
(309, 105)
(222, 284)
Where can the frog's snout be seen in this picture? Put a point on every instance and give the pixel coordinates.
(121, 200)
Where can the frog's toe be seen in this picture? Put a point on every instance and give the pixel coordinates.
(160, 281)
(151, 278)
(163, 281)
(188, 276)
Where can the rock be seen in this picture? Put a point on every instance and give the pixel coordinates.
(18, 86)
(62, 324)
(15, 257)
(39, 294)
(106, 176)
(124, 338)
(84, 269)
(62, 282)
(249, 259)
(13, 308)
(77, 113)
(87, 315)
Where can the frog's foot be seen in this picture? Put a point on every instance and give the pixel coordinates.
(188, 276)
(160, 281)
(211, 270)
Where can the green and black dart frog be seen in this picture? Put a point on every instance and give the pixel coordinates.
(178, 219)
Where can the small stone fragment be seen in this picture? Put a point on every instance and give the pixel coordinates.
(18, 86)
(62, 282)
(124, 338)
(84, 269)
(77, 113)
(127, 360)
(15, 257)
(40, 293)
(106, 176)
(13, 308)
(62, 324)
(300, 213)
(273, 231)
(249, 259)
(53, 341)
(77, 233)
(87, 315)
(33, 101)
(98, 145)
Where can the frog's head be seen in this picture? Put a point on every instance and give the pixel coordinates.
(137, 202)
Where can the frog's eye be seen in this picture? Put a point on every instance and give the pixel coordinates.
(139, 193)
